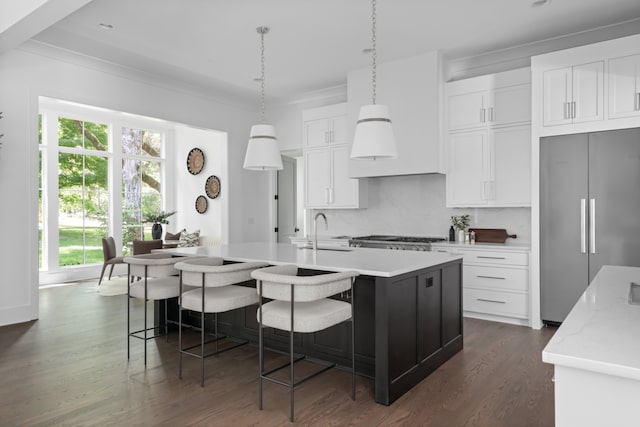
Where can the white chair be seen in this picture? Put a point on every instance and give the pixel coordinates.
(218, 291)
(159, 281)
(301, 304)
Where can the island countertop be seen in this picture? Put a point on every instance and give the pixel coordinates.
(366, 261)
(602, 332)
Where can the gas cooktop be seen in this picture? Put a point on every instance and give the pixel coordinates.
(398, 239)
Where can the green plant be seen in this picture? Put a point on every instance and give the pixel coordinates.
(159, 217)
(460, 222)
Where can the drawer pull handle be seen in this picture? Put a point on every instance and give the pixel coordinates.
(491, 257)
(490, 277)
(491, 300)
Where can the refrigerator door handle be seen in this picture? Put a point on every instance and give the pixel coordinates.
(583, 226)
(592, 226)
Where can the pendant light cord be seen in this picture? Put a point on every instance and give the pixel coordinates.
(262, 31)
(373, 50)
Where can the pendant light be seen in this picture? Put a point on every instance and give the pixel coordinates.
(374, 137)
(262, 150)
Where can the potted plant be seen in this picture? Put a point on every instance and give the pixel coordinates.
(157, 218)
(460, 223)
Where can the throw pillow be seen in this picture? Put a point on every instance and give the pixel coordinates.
(171, 236)
(190, 239)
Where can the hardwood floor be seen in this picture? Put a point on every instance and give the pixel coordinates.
(70, 368)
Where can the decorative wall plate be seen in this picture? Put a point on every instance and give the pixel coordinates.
(212, 187)
(201, 204)
(195, 161)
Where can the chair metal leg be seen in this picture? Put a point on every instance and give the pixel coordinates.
(128, 314)
(145, 316)
(202, 337)
(291, 357)
(111, 271)
(353, 345)
(180, 329)
(166, 320)
(260, 346)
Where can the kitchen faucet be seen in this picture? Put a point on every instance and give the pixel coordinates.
(315, 228)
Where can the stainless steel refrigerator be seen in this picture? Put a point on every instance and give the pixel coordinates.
(589, 212)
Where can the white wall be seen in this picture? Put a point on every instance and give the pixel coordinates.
(188, 187)
(34, 70)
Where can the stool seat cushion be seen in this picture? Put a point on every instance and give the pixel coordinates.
(157, 289)
(219, 299)
(309, 316)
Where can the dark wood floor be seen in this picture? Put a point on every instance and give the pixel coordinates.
(70, 368)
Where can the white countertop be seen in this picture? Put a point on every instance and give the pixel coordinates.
(370, 262)
(508, 245)
(602, 331)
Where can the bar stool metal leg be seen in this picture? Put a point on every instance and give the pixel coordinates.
(180, 329)
(202, 337)
(260, 347)
(292, 387)
(128, 312)
(353, 344)
(145, 314)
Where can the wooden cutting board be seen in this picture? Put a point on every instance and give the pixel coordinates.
(491, 235)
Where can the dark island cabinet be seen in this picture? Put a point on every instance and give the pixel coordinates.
(406, 326)
(418, 327)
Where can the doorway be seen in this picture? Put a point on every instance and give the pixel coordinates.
(290, 210)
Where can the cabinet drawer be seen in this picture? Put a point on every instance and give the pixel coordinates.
(495, 302)
(490, 257)
(496, 277)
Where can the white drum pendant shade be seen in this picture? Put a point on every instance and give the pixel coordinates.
(262, 150)
(374, 137)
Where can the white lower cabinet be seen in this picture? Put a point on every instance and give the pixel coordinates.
(495, 283)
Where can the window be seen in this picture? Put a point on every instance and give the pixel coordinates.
(94, 181)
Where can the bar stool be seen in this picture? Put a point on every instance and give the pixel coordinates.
(217, 292)
(301, 304)
(159, 281)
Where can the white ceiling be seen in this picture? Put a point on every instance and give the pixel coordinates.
(312, 44)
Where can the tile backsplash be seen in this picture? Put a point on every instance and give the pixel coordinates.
(415, 205)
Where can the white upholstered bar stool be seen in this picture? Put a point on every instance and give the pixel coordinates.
(302, 304)
(159, 281)
(217, 291)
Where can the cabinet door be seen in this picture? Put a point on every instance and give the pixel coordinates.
(344, 190)
(466, 179)
(624, 86)
(316, 133)
(317, 181)
(588, 92)
(511, 172)
(556, 87)
(339, 133)
(510, 105)
(467, 110)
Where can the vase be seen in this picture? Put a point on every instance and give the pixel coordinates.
(156, 231)
(460, 236)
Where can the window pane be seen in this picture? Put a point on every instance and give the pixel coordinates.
(83, 208)
(77, 133)
(141, 142)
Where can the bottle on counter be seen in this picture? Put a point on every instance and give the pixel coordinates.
(452, 234)
(472, 237)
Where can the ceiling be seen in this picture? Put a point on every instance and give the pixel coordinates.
(312, 44)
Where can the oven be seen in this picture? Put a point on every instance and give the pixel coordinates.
(403, 243)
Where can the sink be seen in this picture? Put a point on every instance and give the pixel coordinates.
(328, 248)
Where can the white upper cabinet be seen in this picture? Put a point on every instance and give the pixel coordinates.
(588, 88)
(574, 94)
(329, 130)
(496, 100)
(489, 140)
(326, 161)
(624, 86)
(411, 88)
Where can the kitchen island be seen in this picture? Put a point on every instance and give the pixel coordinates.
(408, 309)
(596, 354)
